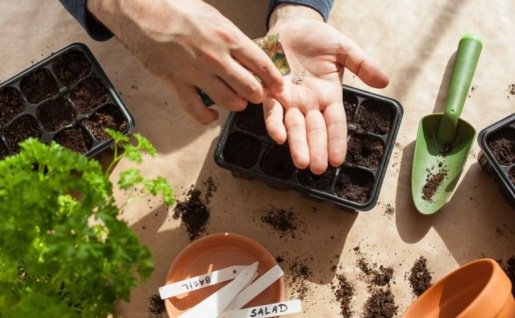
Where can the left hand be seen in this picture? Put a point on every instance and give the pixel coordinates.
(309, 113)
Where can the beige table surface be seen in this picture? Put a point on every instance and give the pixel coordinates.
(414, 41)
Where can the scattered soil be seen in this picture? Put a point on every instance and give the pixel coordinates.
(4, 152)
(389, 210)
(11, 104)
(89, 94)
(378, 277)
(281, 220)
(350, 103)
(109, 116)
(38, 85)
(380, 305)
(502, 145)
(71, 67)
(375, 117)
(156, 306)
(242, 150)
(74, 138)
(277, 162)
(511, 89)
(193, 212)
(319, 182)
(211, 188)
(343, 291)
(22, 128)
(252, 120)
(433, 181)
(365, 150)
(509, 268)
(54, 114)
(298, 285)
(354, 184)
(420, 278)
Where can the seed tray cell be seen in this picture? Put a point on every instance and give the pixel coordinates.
(245, 149)
(66, 98)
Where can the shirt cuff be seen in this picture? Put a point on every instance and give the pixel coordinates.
(322, 6)
(95, 29)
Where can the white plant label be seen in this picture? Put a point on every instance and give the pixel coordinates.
(270, 310)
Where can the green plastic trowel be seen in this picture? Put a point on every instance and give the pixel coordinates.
(444, 140)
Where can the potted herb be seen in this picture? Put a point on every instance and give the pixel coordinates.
(64, 252)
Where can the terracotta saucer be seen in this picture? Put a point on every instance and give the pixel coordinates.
(214, 252)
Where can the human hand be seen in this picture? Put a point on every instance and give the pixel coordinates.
(309, 113)
(189, 44)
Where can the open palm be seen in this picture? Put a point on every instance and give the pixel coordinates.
(309, 113)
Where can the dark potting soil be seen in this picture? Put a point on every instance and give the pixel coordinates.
(354, 184)
(365, 150)
(502, 145)
(156, 306)
(109, 116)
(377, 277)
(4, 152)
(433, 181)
(74, 138)
(350, 103)
(420, 278)
(281, 220)
(38, 85)
(389, 210)
(11, 104)
(211, 188)
(20, 129)
(343, 291)
(380, 305)
(375, 117)
(509, 269)
(70, 67)
(193, 213)
(252, 120)
(54, 114)
(89, 94)
(242, 150)
(319, 182)
(277, 162)
(300, 274)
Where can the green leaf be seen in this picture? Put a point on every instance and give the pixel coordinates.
(130, 178)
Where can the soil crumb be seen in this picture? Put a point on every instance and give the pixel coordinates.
(298, 285)
(512, 89)
(193, 212)
(211, 188)
(281, 220)
(343, 291)
(156, 306)
(420, 277)
(433, 181)
(509, 268)
(378, 277)
(389, 210)
(380, 305)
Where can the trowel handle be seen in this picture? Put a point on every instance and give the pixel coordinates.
(465, 64)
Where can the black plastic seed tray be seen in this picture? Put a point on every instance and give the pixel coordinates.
(245, 149)
(497, 157)
(67, 98)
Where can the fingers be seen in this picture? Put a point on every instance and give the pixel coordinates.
(297, 141)
(352, 57)
(317, 141)
(192, 104)
(243, 82)
(223, 95)
(335, 120)
(273, 113)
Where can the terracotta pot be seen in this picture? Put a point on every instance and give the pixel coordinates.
(478, 289)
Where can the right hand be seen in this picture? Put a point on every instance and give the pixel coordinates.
(189, 44)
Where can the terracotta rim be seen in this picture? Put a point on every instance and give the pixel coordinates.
(217, 251)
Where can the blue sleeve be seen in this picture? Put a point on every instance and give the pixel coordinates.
(322, 6)
(95, 29)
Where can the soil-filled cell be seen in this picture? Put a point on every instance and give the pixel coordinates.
(350, 103)
(252, 120)
(375, 117)
(89, 94)
(54, 114)
(75, 138)
(4, 152)
(22, 128)
(242, 150)
(11, 104)
(38, 85)
(502, 145)
(71, 67)
(109, 116)
(365, 150)
(354, 184)
(277, 162)
(318, 182)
